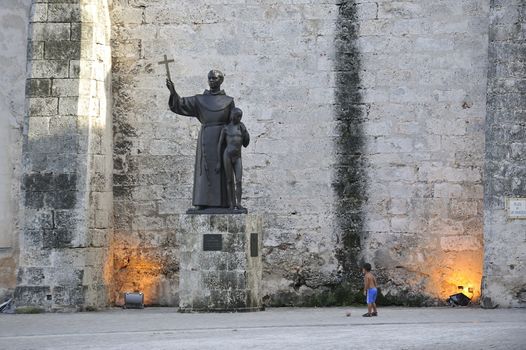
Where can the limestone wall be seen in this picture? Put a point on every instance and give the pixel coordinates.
(67, 205)
(367, 121)
(14, 19)
(276, 58)
(423, 87)
(504, 237)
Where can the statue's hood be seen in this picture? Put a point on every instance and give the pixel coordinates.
(214, 101)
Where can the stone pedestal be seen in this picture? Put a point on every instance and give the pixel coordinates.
(220, 263)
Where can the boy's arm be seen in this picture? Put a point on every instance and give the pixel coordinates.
(219, 144)
(246, 136)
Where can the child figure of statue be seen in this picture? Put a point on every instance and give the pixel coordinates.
(235, 135)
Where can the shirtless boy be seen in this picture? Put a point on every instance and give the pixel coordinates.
(235, 135)
(370, 291)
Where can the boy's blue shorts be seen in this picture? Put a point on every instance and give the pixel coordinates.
(371, 295)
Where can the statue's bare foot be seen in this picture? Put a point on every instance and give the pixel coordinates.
(239, 207)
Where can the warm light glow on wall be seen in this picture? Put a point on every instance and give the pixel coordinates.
(134, 272)
(456, 269)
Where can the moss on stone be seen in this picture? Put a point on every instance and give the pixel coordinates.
(29, 310)
(350, 183)
(346, 294)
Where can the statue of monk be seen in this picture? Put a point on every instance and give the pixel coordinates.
(212, 109)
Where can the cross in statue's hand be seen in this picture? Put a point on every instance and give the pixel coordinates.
(165, 62)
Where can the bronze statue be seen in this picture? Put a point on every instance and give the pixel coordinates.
(236, 135)
(213, 109)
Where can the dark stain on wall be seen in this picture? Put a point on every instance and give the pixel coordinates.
(123, 134)
(350, 179)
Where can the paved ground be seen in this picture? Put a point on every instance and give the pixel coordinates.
(326, 328)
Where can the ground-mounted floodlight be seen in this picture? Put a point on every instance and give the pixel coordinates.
(133, 300)
(460, 299)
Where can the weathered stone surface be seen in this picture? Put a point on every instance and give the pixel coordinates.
(66, 179)
(60, 12)
(274, 57)
(50, 69)
(388, 115)
(350, 179)
(368, 120)
(50, 31)
(38, 87)
(36, 295)
(504, 242)
(419, 118)
(14, 18)
(228, 279)
(62, 50)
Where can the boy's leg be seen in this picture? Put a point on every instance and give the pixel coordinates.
(229, 180)
(373, 301)
(369, 308)
(238, 171)
(369, 305)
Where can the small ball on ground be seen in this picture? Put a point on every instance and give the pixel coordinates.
(348, 314)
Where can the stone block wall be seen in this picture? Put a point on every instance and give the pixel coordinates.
(505, 238)
(225, 278)
(14, 16)
(367, 140)
(367, 120)
(276, 59)
(67, 205)
(422, 83)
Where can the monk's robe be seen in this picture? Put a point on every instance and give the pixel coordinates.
(213, 112)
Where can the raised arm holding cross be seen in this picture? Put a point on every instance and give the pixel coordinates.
(169, 83)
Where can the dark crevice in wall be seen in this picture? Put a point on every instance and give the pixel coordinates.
(123, 134)
(349, 182)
